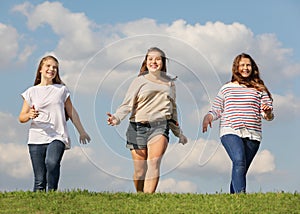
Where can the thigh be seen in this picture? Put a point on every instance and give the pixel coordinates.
(55, 151)
(38, 155)
(139, 157)
(157, 146)
(234, 146)
(136, 136)
(251, 148)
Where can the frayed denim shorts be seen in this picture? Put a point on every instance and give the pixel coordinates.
(139, 134)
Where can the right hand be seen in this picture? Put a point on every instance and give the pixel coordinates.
(207, 120)
(111, 120)
(33, 113)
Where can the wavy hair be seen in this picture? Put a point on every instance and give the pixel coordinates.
(254, 80)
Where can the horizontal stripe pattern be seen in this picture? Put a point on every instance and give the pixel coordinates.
(239, 107)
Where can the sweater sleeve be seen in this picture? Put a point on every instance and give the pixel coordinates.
(128, 103)
(217, 105)
(267, 101)
(174, 125)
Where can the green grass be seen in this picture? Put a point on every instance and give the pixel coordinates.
(83, 201)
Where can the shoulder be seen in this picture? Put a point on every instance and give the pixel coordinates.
(139, 79)
(60, 87)
(228, 85)
(30, 89)
(168, 77)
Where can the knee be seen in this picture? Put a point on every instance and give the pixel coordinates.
(239, 165)
(139, 174)
(154, 164)
(51, 164)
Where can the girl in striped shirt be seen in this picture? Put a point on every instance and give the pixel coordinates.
(241, 104)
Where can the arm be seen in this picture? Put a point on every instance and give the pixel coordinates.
(72, 113)
(214, 113)
(126, 107)
(174, 126)
(27, 113)
(267, 113)
(267, 107)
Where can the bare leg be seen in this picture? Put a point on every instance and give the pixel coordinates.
(156, 149)
(140, 167)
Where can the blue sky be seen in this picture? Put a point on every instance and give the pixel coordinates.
(100, 47)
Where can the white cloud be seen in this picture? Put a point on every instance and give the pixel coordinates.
(208, 157)
(263, 162)
(75, 30)
(14, 160)
(172, 186)
(286, 107)
(9, 44)
(11, 131)
(206, 51)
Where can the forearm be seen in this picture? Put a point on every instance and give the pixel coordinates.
(76, 121)
(24, 117)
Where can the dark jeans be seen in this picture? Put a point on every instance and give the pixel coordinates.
(241, 152)
(45, 159)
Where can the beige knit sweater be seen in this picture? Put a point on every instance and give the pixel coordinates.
(149, 101)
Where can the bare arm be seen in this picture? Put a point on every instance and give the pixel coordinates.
(72, 113)
(27, 113)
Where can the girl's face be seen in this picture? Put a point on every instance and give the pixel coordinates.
(245, 68)
(49, 69)
(154, 61)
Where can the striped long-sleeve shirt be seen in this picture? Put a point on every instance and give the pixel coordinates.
(239, 110)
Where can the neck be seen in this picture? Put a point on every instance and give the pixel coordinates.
(155, 74)
(46, 82)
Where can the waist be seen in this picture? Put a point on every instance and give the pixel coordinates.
(150, 123)
(154, 123)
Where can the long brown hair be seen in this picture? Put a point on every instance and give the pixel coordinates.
(144, 63)
(38, 76)
(254, 80)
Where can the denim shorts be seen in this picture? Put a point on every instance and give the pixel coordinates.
(139, 134)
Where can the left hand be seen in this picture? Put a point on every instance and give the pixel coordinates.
(84, 138)
(182, 139)
(268, 111)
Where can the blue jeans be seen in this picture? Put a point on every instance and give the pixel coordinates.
(241, 152)
(45, 159)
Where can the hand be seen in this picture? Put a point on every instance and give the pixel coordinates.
(33, 113)
(182, 139)
(84, 138)
(266, 108)
(207, 120)
(112, 120)
(268, 111)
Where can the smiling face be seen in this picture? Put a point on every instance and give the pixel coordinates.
(245, 67)
(154, 61)
(49, 69)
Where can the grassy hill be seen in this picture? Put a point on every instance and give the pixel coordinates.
(83, 201)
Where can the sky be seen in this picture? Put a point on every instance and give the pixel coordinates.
(100, 46)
